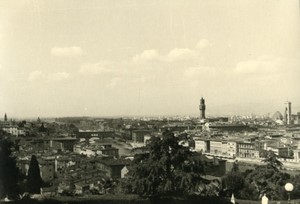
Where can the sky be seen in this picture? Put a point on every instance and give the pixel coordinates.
(140, 57)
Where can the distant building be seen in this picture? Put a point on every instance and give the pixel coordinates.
(109, 151)
(288, 113)
(201, 145)
(66, 143)
(247, 150)
(5, 117)
(216, 147)
(138, 136)
(228, 127)
(47, 169)
(296, 153)
(202, 108)
(218, 119)
(282, 152)
(146, 139)
(88, 134)
(231, 148)
(277, 116)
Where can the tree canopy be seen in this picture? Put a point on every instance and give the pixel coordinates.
(272, 161)
(234, 181)
(8, 169)
(168, 168)
(34, 180)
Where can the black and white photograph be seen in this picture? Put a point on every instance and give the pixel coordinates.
(150, 101)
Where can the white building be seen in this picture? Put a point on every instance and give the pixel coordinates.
(216, 147)
(231, 148)
(200, 145)
(146, 138)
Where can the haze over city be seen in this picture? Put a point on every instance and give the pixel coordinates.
(114, 58)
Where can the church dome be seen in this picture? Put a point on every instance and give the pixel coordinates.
(277, 116)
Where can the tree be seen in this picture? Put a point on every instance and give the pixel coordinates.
(167, 168)
(9, 172)
(234, 181)
(42, 128)
(34, 180)
(295, 180)
(272, 161)
(267, 180)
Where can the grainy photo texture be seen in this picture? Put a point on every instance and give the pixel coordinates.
(149, 101)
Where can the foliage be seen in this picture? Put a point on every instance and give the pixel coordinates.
(253, 183)
(272, 161)
(249, 192)
(42, 128)
(268, 180)
(296, 182)
(34, 180)
(167, 169)
(234, 181)
(9, 172)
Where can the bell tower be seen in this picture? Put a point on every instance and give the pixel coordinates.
(202, 108)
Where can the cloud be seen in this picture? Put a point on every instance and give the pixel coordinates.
(203, 43)
(181, 54)
(261, 65)
(39, 75)
(66, 51)
(146, 55)
(59, 76)
(175, 54)
(96, 68)
(268, 72)
(36, 75)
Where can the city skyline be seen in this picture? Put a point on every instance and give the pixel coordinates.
(139, 58)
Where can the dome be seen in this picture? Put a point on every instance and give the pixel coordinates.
(277, 116)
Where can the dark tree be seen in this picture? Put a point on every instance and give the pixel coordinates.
(167, 169)
(73, 129)
(234, 181)
(295, 180)
(42, 128)
(272, 161)
(8, 169)
(268, 180)
(34, 180)
(235, 166)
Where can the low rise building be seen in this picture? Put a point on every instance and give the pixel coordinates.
(247, 149)
(201, 145)
(231, 148)
(139, 135)
(216, 147)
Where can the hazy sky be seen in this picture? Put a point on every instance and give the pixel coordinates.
(138, 57)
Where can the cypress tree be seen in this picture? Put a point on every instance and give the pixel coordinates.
(34, 180)
(8, 169)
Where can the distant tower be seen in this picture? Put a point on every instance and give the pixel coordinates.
(5, 117)
(288, 113)
(202, 108)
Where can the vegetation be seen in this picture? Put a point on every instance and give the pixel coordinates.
(234, 181)
(34, 180)
(8, 170)
(252, 184)
(272, 161)
(168, 169)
